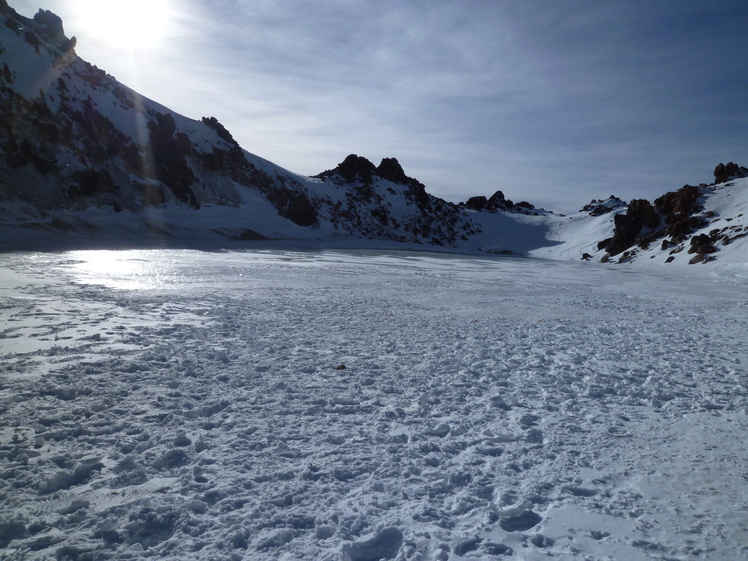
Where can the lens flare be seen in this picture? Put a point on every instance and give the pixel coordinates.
(129, 25)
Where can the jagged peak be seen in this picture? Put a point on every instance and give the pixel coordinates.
(221, 131)
(52, 23)
(45, 25)
(390, 169)
(359, 169)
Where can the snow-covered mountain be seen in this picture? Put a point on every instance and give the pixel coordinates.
(82, 152)
(84, 158)
(695, 224)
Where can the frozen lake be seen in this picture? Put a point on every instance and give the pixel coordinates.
(368, 405)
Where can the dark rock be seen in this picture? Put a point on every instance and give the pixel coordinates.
(222, 132)
(726, 172)
(523, 205)
(476, 203)
(497, 201)
(680, 202)
(645, 210)
(91, 182)
(390, 169)
(295, 206)
(702, 244)
(354, 169)
(52, 24)
(169, 151)
(640, 213)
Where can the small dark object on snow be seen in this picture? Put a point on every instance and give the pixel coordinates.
(341, 367)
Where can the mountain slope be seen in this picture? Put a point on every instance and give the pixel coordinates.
(695, 224)
(74, 139)
(85, 159)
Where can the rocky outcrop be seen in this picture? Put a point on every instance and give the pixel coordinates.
(169, 150)
(680, 210)
(601, 207)
(391, 170)
(640, 214)
(497, 203)
(672, 222)
(354, 169)
(382, 202)
(725, 172)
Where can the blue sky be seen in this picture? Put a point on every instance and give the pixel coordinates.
(553, 102)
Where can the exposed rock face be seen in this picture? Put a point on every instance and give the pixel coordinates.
(170, 152)
(724, 173)
(628, 226)
(52, 23)
(370, 191)
(74, 144)
(683, 214)
(476, 203)
(496, 203)
(390, 169)
(86, 140)
(295, 206)
(679, 208)
(354, 169)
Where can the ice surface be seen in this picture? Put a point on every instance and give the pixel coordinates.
(193, 405)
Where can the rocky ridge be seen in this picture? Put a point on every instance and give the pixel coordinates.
(76, 138)
(672, 221)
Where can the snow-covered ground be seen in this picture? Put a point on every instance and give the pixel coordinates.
(368, 405)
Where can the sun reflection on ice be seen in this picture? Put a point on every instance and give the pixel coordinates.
(126, 270)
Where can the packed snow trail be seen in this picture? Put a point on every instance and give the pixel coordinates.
(362, 405)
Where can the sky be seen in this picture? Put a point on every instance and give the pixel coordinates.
(552, 102)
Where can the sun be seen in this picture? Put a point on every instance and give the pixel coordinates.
(127, 24)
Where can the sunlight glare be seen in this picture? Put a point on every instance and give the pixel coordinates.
(128, 25)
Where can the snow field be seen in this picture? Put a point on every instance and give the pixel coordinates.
(361, 405)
